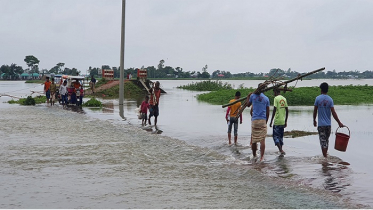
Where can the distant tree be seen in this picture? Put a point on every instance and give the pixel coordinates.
(6, 71)
(93, 72)
(160, 65)
(11, 72)
(116, 72)
(204, 73)
(31, 61)
(204, 68)
(16, 69)
(59, 67)
(215, 74)
(151, 71)
(34, 69)
(276, 72)
(75, 72)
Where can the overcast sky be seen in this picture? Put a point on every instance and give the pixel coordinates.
(231, 35)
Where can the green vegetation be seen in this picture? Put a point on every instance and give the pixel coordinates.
(302, 96)
(93, 102)
(100, 82)
(207, 86)
(130, 90)
(221, 97)
(35, 81)
(29, 100)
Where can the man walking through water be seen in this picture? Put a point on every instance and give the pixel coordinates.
(280, 114)
(324, 107)
(232, 111)
(154, 103)
(47, 91)
(259, 121)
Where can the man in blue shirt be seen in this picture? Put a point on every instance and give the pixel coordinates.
(324, 107)
(260, 114)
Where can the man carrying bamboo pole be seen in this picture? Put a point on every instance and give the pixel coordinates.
(233, 120)
(259, 120)
(155, 93)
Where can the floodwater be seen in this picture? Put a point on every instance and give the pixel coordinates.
(92, 158)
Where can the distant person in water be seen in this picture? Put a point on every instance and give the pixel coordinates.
(280, 114)
(259, 121)
(47, 91)
(144, 110)
(232, 120)
(154, 102)
(324, 108)
(53, 88)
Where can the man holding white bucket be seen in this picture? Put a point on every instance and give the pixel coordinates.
(324, 108)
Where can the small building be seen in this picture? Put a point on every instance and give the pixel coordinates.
(107, 74)
(35, 76)
(25, 76)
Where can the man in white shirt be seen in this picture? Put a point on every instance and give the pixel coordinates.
(63, 93)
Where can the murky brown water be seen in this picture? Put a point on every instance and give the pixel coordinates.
(55, 158)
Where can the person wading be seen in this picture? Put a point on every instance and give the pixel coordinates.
(232, 120)
(259, 121)
(323, 108)
(155, 94)
(47, 91)
(280, 114)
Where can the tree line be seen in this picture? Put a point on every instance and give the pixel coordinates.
(13, 72)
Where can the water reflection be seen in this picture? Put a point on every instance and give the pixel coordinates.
(108, 107)
(77, 109)
(283, 170)
(336, 176)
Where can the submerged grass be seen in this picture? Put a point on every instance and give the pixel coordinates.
(29, 100)
(35, 81)
(93, 102)
(207, 85)
(302, 96)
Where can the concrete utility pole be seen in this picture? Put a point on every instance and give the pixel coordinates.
(121, 77)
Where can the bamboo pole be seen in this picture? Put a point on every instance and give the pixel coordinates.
(261, 89)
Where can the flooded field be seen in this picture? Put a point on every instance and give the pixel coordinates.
(56, 158)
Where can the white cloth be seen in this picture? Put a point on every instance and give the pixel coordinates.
(63, 89)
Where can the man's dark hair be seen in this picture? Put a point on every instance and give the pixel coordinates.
(238, 93)
(324, 87)
(276, 90)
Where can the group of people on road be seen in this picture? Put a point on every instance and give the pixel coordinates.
(323, 108)
(53, 92)
(152, 105)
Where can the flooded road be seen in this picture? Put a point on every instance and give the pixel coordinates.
(56, 158)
